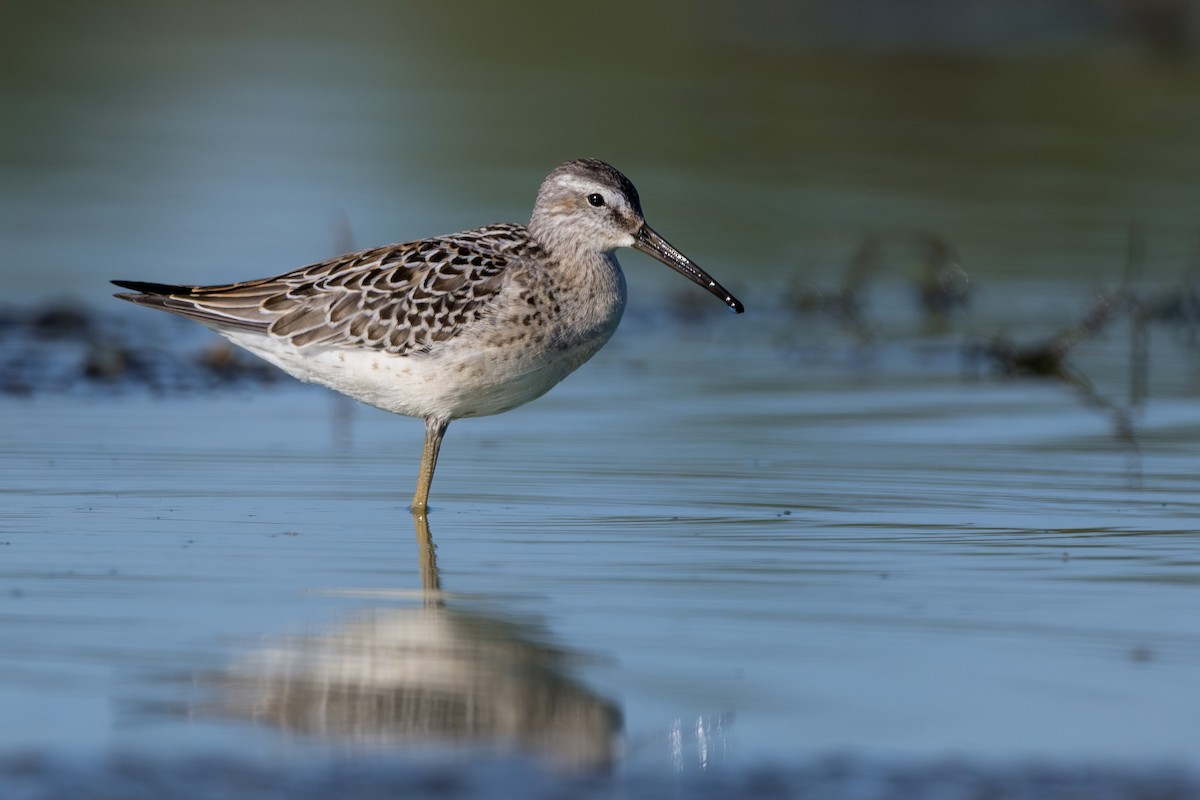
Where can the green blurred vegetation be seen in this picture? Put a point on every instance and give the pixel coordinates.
(212, 141)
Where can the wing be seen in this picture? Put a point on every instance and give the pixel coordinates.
(399, 299)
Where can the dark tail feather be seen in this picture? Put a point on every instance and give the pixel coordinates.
(153, 288)
(183, 300)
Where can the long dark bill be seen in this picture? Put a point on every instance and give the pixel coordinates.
(654, 245)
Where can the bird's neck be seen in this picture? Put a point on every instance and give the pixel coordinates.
(560, 241)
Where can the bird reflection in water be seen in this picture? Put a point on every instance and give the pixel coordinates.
(403, 677)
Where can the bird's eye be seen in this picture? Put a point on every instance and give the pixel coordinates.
(596, 200)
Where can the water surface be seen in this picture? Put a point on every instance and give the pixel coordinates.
(894, 562)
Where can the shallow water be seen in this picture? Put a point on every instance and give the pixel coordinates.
(659, 565)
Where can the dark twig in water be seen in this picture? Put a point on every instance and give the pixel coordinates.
(1179, 308)
(1049, 358)
(941, 286)
(847, 302)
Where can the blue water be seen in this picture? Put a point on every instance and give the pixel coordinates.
(832, 561)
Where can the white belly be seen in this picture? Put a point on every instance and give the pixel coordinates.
(457, 381)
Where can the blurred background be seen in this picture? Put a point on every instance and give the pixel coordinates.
(205, 142)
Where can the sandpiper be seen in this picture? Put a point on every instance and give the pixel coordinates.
(463, 325)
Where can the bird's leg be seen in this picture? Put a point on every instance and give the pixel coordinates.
(435, 429)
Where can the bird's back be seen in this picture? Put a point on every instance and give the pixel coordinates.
(397, 299)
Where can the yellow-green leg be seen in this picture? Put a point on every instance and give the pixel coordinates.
(435, 429)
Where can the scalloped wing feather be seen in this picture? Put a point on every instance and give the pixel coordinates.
(398, 299)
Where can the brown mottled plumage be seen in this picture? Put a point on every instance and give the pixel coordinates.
(399, 299)
(468, 324)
